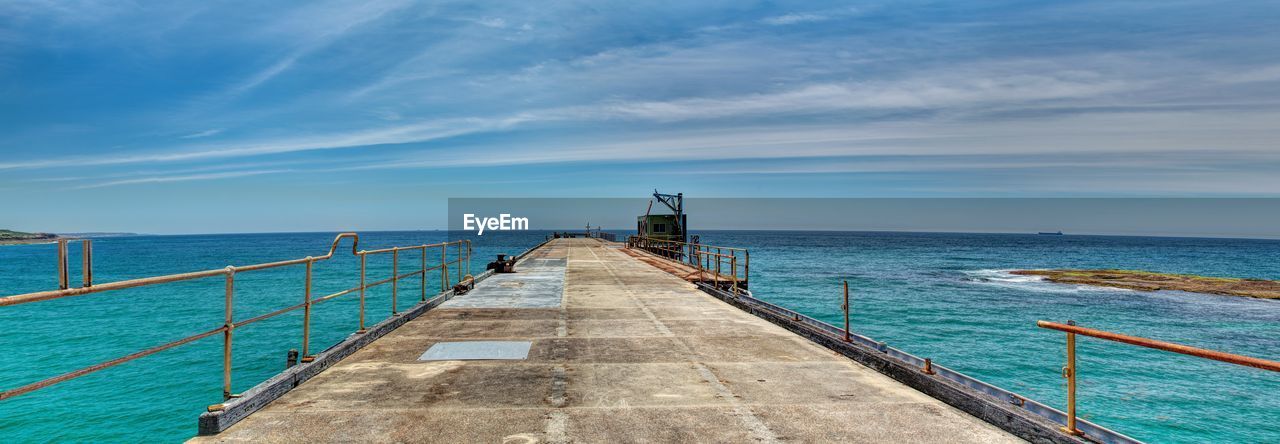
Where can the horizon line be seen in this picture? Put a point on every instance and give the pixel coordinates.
(107, 234)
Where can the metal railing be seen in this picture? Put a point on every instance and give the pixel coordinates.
(227, 329)
(1072, 424)
(1069, 371)
(712, 262)
(604, 235)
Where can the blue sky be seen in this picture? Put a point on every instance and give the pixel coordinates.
(179, 117)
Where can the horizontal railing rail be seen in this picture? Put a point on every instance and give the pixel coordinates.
(462, 260)
(716, 264)
(1069, 371)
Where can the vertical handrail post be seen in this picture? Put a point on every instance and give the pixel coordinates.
(362, 287)
(395, 278)
(733, 270)
(228, 328)
(62, 265)
(86, 261)
(717, 275)
(1069, 372)
(306, 314)
(703, 263)
(845, 307)
(422, 278)
(444, 267)
(459, 259)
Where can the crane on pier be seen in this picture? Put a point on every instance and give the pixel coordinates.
(665, 226)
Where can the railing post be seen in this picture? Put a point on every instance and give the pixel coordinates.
(422, 278)
(444, 267)
(845, 307)
(733, 270)
(62, 265)
(716, 277)
(1069, 372)
(306, 315)
(86, 261)
(395, 278)
(706, 261)
(229, 327)
(362, 287)
(459, 267)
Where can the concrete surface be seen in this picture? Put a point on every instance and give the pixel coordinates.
(476, 350)
(539, 284)
(628, 354)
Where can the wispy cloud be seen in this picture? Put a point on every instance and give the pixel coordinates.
(265, 75)
(959, 90)
(910, 94)
(1264, 74)
(391, 84)
(492, 22)
(791, 19)
(795, 18)
(317, 28)
(202, 134)
(179, 178)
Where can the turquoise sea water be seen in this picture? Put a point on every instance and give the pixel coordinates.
(944, 296)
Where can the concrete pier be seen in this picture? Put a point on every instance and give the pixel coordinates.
(619, 351)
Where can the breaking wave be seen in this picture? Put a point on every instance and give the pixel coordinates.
(1006, 279)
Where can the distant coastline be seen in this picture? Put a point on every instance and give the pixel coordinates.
(1149, 281)
(10, 237)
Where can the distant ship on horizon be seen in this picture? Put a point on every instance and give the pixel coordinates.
(1051, 233)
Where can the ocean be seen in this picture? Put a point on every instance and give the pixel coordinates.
(946, 296)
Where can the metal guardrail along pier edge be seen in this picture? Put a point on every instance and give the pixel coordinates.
(1069, 371)
(461, 260)
(711, 262)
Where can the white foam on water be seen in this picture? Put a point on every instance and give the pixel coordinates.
(1002, 276)
(1006, 279)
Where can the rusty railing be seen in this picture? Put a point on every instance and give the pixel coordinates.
(1069, 371)
(725, 267)
(462, 259)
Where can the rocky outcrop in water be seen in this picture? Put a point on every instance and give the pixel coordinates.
(1149, 281)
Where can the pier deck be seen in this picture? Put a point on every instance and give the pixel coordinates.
(620, 352)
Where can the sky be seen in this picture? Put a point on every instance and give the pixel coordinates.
(197, 117)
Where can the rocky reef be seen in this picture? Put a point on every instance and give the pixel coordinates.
(1150, 281)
